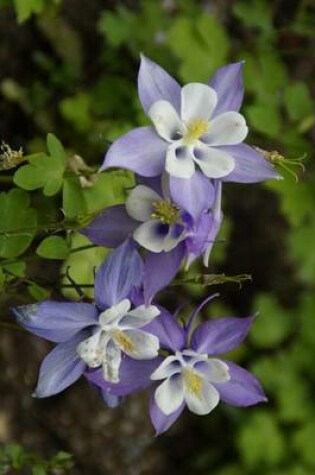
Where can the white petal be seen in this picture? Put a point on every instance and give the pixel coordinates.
(139, 204)
(149, 237)
(213, 162)
(198, 102)
(115, 313)
(226, 129)
(203, 402)
(215, 370)
(111, 363)
(139, 317)
(169, 395)
(179, 161)
(90, 350)
(140, 345)
(169, 366)
(166, 121)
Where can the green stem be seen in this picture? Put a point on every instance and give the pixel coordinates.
(6, 179)
(83, 248)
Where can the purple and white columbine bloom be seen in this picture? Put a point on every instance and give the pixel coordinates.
(94, 335)
(191, 374)
(161, 213)
(195, 125)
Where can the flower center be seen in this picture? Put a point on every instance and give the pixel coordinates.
(193, 382)
(195, 129)
(165, 212)
(123, 340)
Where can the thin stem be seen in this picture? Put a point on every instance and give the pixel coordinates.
(6, 179)
(83, 248)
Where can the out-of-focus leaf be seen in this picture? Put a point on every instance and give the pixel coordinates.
(303, 441)
(272, 325)
(76, 111)
(25, 8)
(301, 245)
(265, 118)
(37, 292)
(17, 223)
(298, 101)
(255, 14)
(261, 442)
(200, 43)
(81, 266)
(53, 247)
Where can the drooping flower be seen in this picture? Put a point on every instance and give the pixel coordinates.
(191, 374)
(197, 125)
(162, 213)
(94, 335)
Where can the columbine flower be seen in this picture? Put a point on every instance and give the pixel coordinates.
(161, 213)
(197, 125)
(191, 374)
(91, 336)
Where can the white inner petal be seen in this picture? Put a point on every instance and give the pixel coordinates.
(111, 363)
(179, 161)
(139, 204)
(201, 400)
(148, 236)
(166, 121)
(167, 368)
(215, 370)
(91, 350)
(226, 129)
(169, 395)
(139, 317)
(197, 102)
(214, 163)
(139, 344)
(115, 313)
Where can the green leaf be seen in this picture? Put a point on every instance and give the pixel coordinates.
(76, 111)
(260, 441)
(53, 247)
(25, 8)
(200, 43)
(81, 266)
(301, 245)
(18, 223)
(73, 199)
(297, 199)
(298, 101)
(265, 118)
(42, 172)
(272, 325)
(37, 292)
(56, 150)
(255, 14)
(16, 268)
(303, 441)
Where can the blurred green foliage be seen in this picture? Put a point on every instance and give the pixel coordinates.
(93, 107)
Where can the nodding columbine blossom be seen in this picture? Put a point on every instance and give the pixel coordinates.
(198, 125)
(161, 213)
(94, 335)
(190, 374)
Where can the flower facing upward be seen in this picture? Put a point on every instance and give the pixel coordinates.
(197, 126)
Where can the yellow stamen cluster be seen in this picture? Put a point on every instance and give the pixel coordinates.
(10, 158)
(193, 382)
(165, 211)
(196, 128)
(124, 341)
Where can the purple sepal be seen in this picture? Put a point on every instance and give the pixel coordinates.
(220, 335)
(111, 400)
(168, 331)
(243, 389)
(155, 84)
(56, 321)
(61, 367)
(160, 421)
(159, 270)
(228, 84)
(194, 195)
(119, 273)
(140, 150)
(134, 376)
(110, 227)
(250, 166)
